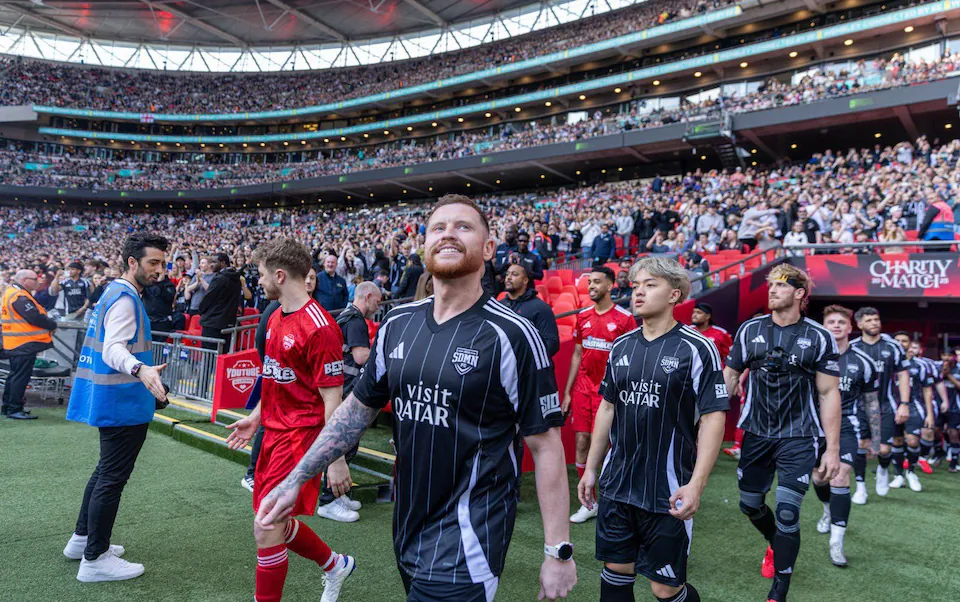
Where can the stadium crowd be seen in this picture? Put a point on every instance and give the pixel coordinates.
(53, 84)
(861, 195)
(76, 169)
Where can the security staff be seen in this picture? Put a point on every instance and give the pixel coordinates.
(115, 389)
(26, 332)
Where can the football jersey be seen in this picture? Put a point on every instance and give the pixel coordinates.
(858, 375)
(935, 369)
(463, 392)
(721, 338)
(953, 396)
(920, 379)
(659, 390)
(75, 293)
(782, 399)
(596, 333)
(303, 353)
(890, 360)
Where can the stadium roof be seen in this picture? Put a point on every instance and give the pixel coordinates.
(77, 31)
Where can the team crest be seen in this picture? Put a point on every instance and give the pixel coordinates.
(465, 360)
(852, 368)
(804, 343)
(288, 342)
(669, 363)
(885, 353)
(611, 326)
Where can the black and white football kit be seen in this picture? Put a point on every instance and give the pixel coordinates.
(953, 400)
(75, 293)
(858, 375)
(920, 379)
(464, 393)
(659, 390)
(890, 360)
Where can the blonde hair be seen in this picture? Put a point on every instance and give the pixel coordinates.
(786, 271)
(666, 268)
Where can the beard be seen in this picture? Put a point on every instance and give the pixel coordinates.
(469, 263)
(872, 332)
(269, 291)
(144, 279)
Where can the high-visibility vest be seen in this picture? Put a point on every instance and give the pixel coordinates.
(102, 396)
(16, 330)
(942, 227)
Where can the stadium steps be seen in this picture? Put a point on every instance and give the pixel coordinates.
(189, 422)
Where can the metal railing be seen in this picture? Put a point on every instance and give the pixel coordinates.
(191, 370)
(904, 246)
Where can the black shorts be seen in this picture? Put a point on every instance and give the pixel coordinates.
(889, 429)
(793, 459)
(656, 544)
(918, 413)
(421, 590)
(850, 436)
(952, 419)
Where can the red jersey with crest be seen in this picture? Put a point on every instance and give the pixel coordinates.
(304, 353)
(596, 333)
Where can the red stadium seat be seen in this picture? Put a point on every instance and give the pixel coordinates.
(554, 284)
(569, 288)
(583, 285)
(565, 299)
(566, 332)
(544, 293)
(562, 308)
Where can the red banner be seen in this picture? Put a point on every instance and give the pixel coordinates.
(236, 374)
(897, 275)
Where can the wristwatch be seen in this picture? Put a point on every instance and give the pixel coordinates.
(562, 551)
(136, 369)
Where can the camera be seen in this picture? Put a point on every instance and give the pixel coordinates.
(774, 361)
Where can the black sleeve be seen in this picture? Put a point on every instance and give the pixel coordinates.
(211, 299)
(546, 324)
(260, 338)
(344, 294)
(928, 218)
(537, 271)
(356, 334)
(32, 315)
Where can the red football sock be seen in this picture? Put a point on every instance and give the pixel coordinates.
(580, 469)
(304, 542)
(738, 438)
(271, 573)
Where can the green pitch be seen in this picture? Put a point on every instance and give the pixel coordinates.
(186, 518)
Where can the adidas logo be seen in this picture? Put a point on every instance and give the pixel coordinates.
(847, 457)
(667, 572)
(759, 339)
(805, 479)
(623, 361)
(787, 571)
(397, 353)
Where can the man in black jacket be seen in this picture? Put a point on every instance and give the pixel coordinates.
(407, 287)
(522, 298)
(158, 299)
(23, 323)
(218, 310)
(530, 262)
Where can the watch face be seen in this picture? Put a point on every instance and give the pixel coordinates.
(565, 552)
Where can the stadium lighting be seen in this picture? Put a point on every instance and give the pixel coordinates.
(582, 97)
(744, 65)
(202, 145)
(908, 29)
(434, 124)
(430, 189)
(656, 82)
(543, 176)
(303, 142)
(753, 151)
(794, 145)
(178, 144)
(244, 145)
(371, 195)
(518, 109)
(578, 172)
(386, 132)
(404, 191)
(343, 138)
(603, 171)
(263, 144)
(468, 184)
(325, 140)
(877, 135)
(703, 157)
(546, 104)
(459, 119)
(112, 141)
(617, 90)
(221, 144)
(488, 115)
(948, 126)
(366, 135)
(793, 54)
(848, 42)
(619, 169)
(409, 128)
(498, 181)
(697, 74)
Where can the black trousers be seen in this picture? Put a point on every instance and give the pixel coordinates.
(21, 368)
(119, 448)
(255, 452)
(213, 333)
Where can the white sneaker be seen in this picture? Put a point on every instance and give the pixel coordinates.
(334, 578)
(78, 543)
(883, 481)
(823, 525)
(860, 497)
(247, 483)
(836, 554)
(351, 503)
(584, 514)
(108, 567)
(336, 510)
(897, 482)
(914, 482)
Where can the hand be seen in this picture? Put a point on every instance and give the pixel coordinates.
(150, 377)
(685, 501)
(277, 506)
(928, 422)
(903, 413)
(586, 487)
(829, 466)
(557, 578)
(945, 407)
(338, 477)
(567, 402)
(243, 431)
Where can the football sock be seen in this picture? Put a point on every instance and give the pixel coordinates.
(780, 587)
(764, 522)
(860, 465)
(616, 587)
(687, 594)
(839, 506)
(913, 454)
(884, 461)
(926, 449)
(786, 542)
(304, 542)
(954, 452)
(738, 438)
(271, 573)
(823, 494)
(581, 468)
(896, 454)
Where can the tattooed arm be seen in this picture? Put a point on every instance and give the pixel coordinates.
(342, 432)
(871, 402)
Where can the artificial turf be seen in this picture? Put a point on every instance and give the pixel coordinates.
(186, 518)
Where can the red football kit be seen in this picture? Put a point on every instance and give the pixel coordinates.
(595, 332)
(304, 353)
(721, 338)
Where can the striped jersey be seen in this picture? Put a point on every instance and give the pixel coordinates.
(782, 399)
(953, 396)
(659, 389)
(921, 378)
(463, 393)
(858, 375)
(890, 360)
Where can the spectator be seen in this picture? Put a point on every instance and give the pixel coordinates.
(198, 287)
(797, 236)
(407, 287)
(73, 290)
(159, 299)
(218, 309)
(892, 232)
(603, 247)
(331, 288)
(523, 257)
